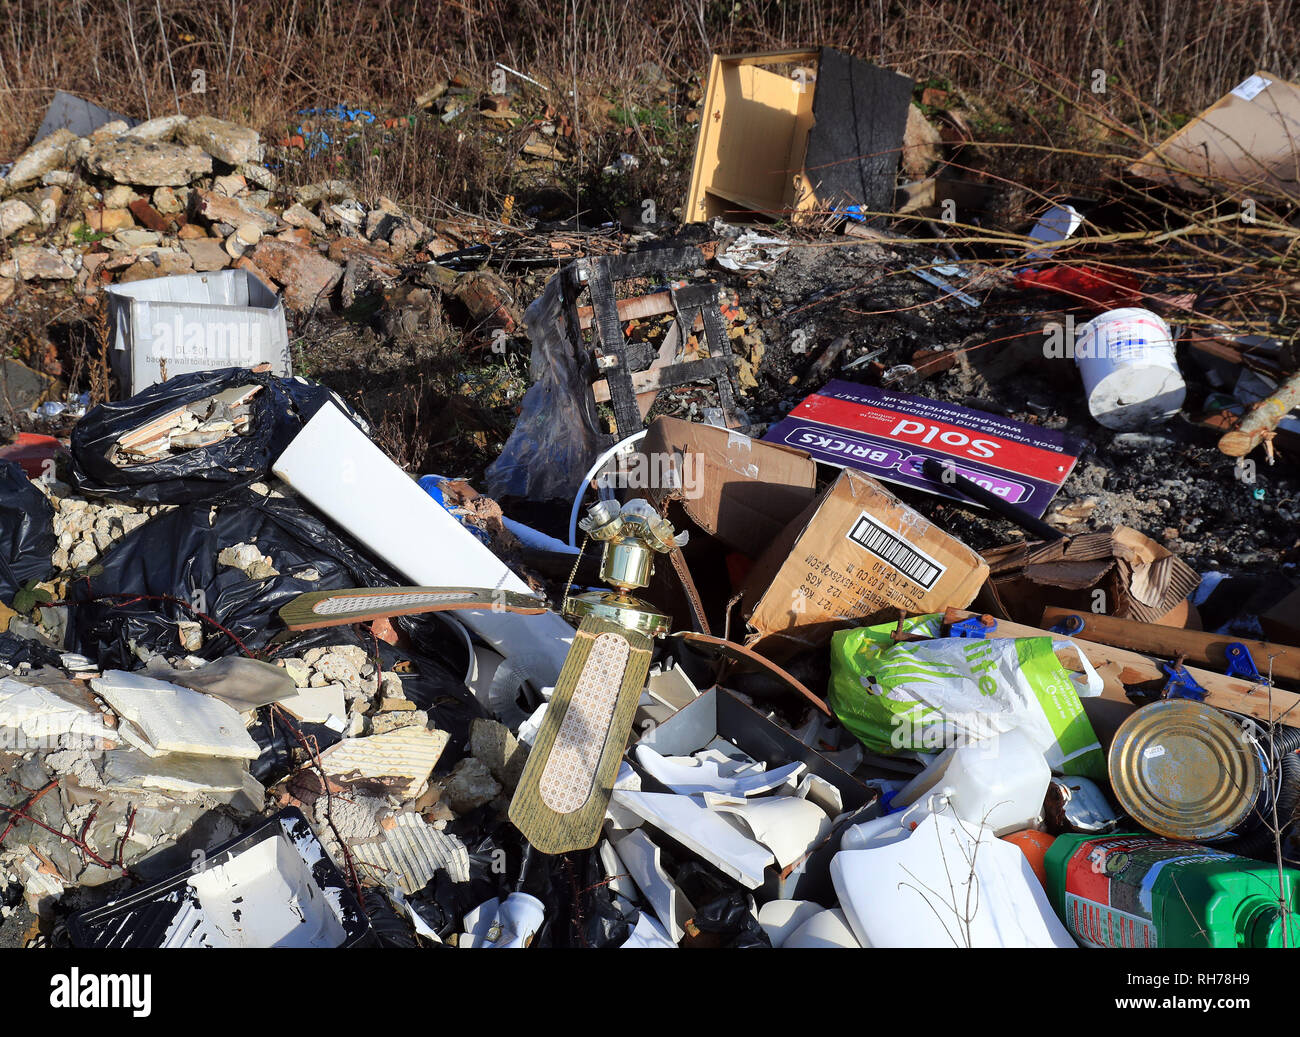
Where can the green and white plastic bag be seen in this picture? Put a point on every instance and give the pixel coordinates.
(925, 696)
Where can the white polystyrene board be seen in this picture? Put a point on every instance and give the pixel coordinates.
(176, 719)
(317, 705)
(173, 772)
(43, 719)
(335, 465)
(695, 826)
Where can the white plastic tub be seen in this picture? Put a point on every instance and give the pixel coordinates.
(1129, 369)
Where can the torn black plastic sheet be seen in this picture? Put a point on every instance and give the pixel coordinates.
(175, 556)
(27, 537)
(277, 413)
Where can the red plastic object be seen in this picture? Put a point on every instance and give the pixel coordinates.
(1034, 845)
(32, 450)
(1104, 287)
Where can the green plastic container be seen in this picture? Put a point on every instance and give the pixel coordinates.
(1134, 890)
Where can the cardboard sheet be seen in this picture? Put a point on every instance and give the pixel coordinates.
(1249, 138)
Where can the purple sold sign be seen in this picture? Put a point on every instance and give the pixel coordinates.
(889, 435)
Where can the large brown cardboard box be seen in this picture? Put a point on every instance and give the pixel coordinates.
(1248, 139)
(742, 491)
(787, 133)
(855, 556)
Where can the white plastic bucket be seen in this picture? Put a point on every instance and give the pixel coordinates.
(1130, 373)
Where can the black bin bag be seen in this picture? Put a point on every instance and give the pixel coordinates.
(277, 414)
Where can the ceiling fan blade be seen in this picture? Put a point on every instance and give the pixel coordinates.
(357, 605)
(562, 794)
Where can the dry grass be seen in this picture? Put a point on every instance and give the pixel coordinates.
(1025, 66)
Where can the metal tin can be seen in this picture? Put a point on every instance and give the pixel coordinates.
(1186, 770)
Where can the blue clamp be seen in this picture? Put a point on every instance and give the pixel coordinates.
(1181, 684)
(1068, 626)
(973, 627)
(1240, 664)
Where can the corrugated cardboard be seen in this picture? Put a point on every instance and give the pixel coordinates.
(742, 491)
(1117, 571)
(1249, 138)
(855, 555)
(778, 140)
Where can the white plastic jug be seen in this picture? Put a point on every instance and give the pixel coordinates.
(1000, 782)
(945, 884)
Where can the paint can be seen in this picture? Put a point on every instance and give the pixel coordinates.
(1130, 373)
(1188, 771)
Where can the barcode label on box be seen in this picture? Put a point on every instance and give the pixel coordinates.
(894, 551)
(1249, 89)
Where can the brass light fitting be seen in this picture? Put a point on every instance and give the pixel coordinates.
(632, 534)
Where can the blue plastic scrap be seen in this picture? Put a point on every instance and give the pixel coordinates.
(1240, 664)
(1068, 626)
(972, 627)
(1181, 684)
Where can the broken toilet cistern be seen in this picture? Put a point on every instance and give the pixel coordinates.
(750, 499)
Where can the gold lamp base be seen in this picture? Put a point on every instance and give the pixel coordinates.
(617, 607)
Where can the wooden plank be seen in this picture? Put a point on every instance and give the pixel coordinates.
(1167, 642)
(772, 57)
(706, 148)
(562, 794)
(653, 305)
(1118, 666)
(655, 378)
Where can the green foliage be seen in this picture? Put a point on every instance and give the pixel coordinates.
(29, 596)
(82, 234)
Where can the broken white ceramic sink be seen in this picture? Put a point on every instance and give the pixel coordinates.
(689, 775)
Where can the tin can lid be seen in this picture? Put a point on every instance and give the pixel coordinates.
(1185, 770)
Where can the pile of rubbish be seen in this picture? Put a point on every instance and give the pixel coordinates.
(776, 639)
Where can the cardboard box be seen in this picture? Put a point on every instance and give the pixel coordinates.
(854, 557)
(1118, 572)
(794, 131)
(742, 491)
(890, 435)
(1246, 139)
